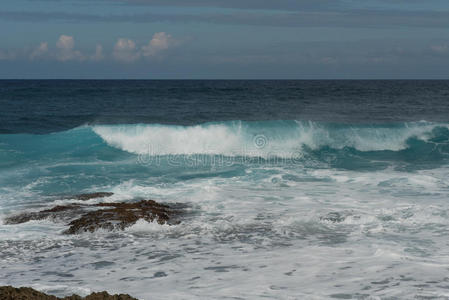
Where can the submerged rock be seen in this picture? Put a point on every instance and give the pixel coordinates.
(109, 216)
(333, 217)
(93, 195)
(58, 212)
(26, 293)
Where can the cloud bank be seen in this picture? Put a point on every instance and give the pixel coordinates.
(40, 51)
(160, 42)
(125, 50)
(66, 51)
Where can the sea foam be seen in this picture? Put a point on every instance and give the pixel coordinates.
(275, 138)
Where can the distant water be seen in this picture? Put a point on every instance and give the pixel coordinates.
(297, 189)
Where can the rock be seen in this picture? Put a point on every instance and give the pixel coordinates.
(109, 216)
(120, 216)
(89, 196)
(106, 296)
(63, 212)
(26, 293)
(24, 217)
(333, 217)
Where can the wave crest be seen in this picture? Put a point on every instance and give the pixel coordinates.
(276, 138)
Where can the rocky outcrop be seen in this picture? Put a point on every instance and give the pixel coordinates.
(333, 217)
(120, 216)
(26, 293)
(108, 216)
(89, 196)
(62, 212)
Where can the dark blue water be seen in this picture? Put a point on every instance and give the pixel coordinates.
(41, 106)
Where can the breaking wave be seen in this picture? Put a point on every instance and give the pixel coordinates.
(268, 137)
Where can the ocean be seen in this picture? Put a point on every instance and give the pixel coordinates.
(294, 189)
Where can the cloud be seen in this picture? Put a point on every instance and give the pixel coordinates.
(65, 42)
(40, 51)
(98, 53)
(239, 4)
(161, 41)
(66, 45)
(279, 5)
(245, 4)
(289, 5)
(125, 50)
(64, 51)
(348, 18)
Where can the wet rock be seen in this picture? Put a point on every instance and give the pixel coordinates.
(333, 217)
(89, 196)
(63, 212)
(109, 216)
(24, 217)
(26, 293)
(120, 216)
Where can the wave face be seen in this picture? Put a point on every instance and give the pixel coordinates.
(411, 145)
(274, 138)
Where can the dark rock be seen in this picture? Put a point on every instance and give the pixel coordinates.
(120, 216)
(60, 208)
(24, 217)
(333, 217)
(89, 196)
(109, 216)
(63, 212)
(26, 293)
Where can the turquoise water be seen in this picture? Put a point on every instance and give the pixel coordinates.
(105, 155)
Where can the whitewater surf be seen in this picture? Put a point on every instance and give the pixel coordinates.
(274, 205)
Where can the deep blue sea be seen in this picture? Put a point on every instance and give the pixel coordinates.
(296, 189)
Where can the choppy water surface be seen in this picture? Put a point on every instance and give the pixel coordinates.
(349, 200)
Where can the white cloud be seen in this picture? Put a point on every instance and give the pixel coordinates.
(40, 51)
(66, 45)
(98, 53)
(161, 41)
(65, 42)
(125, 50)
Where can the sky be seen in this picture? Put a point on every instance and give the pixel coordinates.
(224, 39)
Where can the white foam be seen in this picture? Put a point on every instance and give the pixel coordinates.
(68, 289)
(144, 226)
(247, 139)
(252, 235)
(363, 138)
